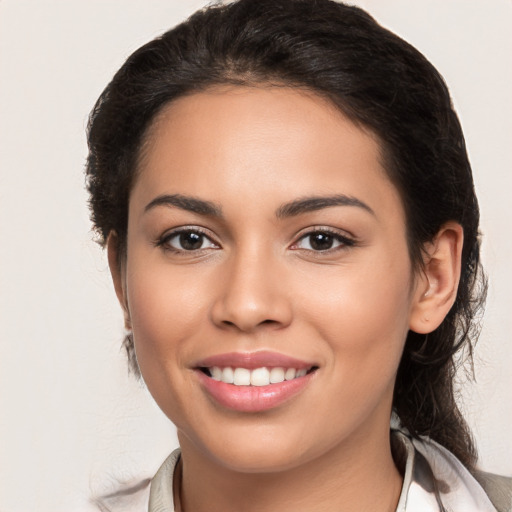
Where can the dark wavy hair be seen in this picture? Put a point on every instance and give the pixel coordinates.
(376, 79)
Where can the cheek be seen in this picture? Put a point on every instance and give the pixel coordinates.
(363, 317)
(167, 311)
(166, 308)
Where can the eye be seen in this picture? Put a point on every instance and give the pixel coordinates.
(322, 240)
(187, 240)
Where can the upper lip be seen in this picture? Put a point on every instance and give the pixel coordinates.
(251, 360)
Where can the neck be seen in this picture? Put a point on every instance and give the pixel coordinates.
(358, 475)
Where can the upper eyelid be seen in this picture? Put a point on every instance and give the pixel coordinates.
(325, 229)
(184, 229)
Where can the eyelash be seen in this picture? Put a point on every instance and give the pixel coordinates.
(163, 242)
(344, 241)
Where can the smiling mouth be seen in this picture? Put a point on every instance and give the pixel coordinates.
(263, 376)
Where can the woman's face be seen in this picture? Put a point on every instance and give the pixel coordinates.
(265, 242)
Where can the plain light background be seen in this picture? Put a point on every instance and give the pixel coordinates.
(73, 424)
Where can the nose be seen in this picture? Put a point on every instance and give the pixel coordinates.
(252, 295)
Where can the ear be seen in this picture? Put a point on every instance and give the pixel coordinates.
(118, 273)
(437, 282)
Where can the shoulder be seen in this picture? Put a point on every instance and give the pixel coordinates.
(498, 488)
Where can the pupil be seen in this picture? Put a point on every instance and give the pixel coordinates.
(191, 241)
(321, 241)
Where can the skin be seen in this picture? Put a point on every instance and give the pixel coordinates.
(257, 283)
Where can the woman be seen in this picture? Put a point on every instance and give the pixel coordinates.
(292, 230)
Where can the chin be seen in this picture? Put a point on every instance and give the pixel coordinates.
(259, 459)
(248, 452)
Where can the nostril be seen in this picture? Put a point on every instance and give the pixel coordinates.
(248, 314)
(229, 323)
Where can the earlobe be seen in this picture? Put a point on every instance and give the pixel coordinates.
(118, 274)
(437, 282)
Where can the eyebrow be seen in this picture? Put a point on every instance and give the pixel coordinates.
(291, 209)
(314, 203)
(188, 203)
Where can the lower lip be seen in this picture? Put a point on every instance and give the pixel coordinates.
(253, 398)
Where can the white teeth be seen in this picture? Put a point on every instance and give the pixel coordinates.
(290, 374)
(276, 375)
(301, 372)
(242, 377)
(257, 377)
(227, 375)
(260, 377)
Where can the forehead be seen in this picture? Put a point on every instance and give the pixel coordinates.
(241, 141)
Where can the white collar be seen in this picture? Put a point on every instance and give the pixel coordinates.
(436, 481)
